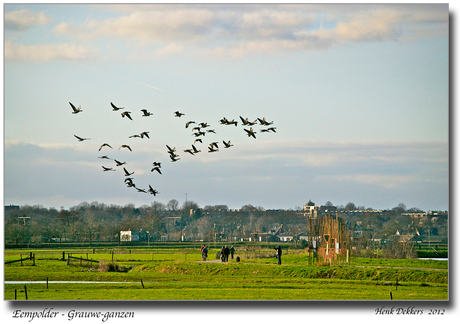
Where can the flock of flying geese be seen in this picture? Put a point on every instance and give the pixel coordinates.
(199, 131)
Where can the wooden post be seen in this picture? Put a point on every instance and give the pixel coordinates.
(68, 259)
(112, 256)
(391, 296)
(33, 259)
(396, 284)
(63, 255)
(25, 291)
(80, 259)
(142, 284)
(21, 260)
(46, 282)
(15, 294)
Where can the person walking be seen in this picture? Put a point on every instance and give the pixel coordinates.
(232, 251)
(226, 253)
(204, 252)
(222, 254)
(278, 254)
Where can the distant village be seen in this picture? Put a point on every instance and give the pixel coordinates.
(98, 222)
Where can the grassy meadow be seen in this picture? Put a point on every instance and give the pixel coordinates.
(180, 274)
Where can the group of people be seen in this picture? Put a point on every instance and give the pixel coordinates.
(226, 251)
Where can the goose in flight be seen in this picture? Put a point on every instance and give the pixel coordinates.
(126, 114)
(115, 108)
(197, 140)
(198, 134)
(178, 114)
(187, 124)
(214, 144)
(81, 139)
(119, 163)
(126, 146)
(75, 110)
(104, 157)
(250, 132)
(140, 190)
(146, 113)
(127, 173)
(171, 150)
(195, 150)
(204, 125)
(157, 168)
(174, 158)
(158, 164)
(264, 122)
(227, 144)
(189, 151)
(129, 182)
(105, 144)
(152, 191)
(107, 169)
(246, 121)
(211, 131)
(273, 129)
(135, 135)
(212, 149)
(232, 122)
(146, 134)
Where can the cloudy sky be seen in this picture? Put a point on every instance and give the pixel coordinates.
(358, 95)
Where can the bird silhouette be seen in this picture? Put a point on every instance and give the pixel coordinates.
(119, 163)
(115, 108)
(174, 158)
(126, 114)
(126, 146)
(104, 157)
(195, 150)
(264, 122)
(146, 113)
(187, 124)
(189, 151)
(146, 134)
(105, 144)
(157, 168)
(250, 132)
(158, 164)
(171, 150)
(227, 144)
(127, 173)
(81, 139)
(107, 169)
(140, 190)
(135, 135)
(178, 114)
(153, 191)
(75, 110)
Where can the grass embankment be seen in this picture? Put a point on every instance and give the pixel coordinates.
(178, 278)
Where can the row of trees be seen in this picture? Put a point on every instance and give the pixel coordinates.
(89, 222)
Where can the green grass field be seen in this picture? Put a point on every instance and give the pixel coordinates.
(172, 274)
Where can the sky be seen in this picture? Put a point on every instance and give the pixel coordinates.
(359, 96)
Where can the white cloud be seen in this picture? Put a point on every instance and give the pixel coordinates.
(172, 48)
(24, 19)
(46, 52)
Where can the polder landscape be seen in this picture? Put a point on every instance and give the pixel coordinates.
(67, 255)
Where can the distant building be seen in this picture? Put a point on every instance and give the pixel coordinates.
(310, 210)
(129, 236)
(11, 207)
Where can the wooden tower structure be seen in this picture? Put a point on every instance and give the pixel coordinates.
(329, 239)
